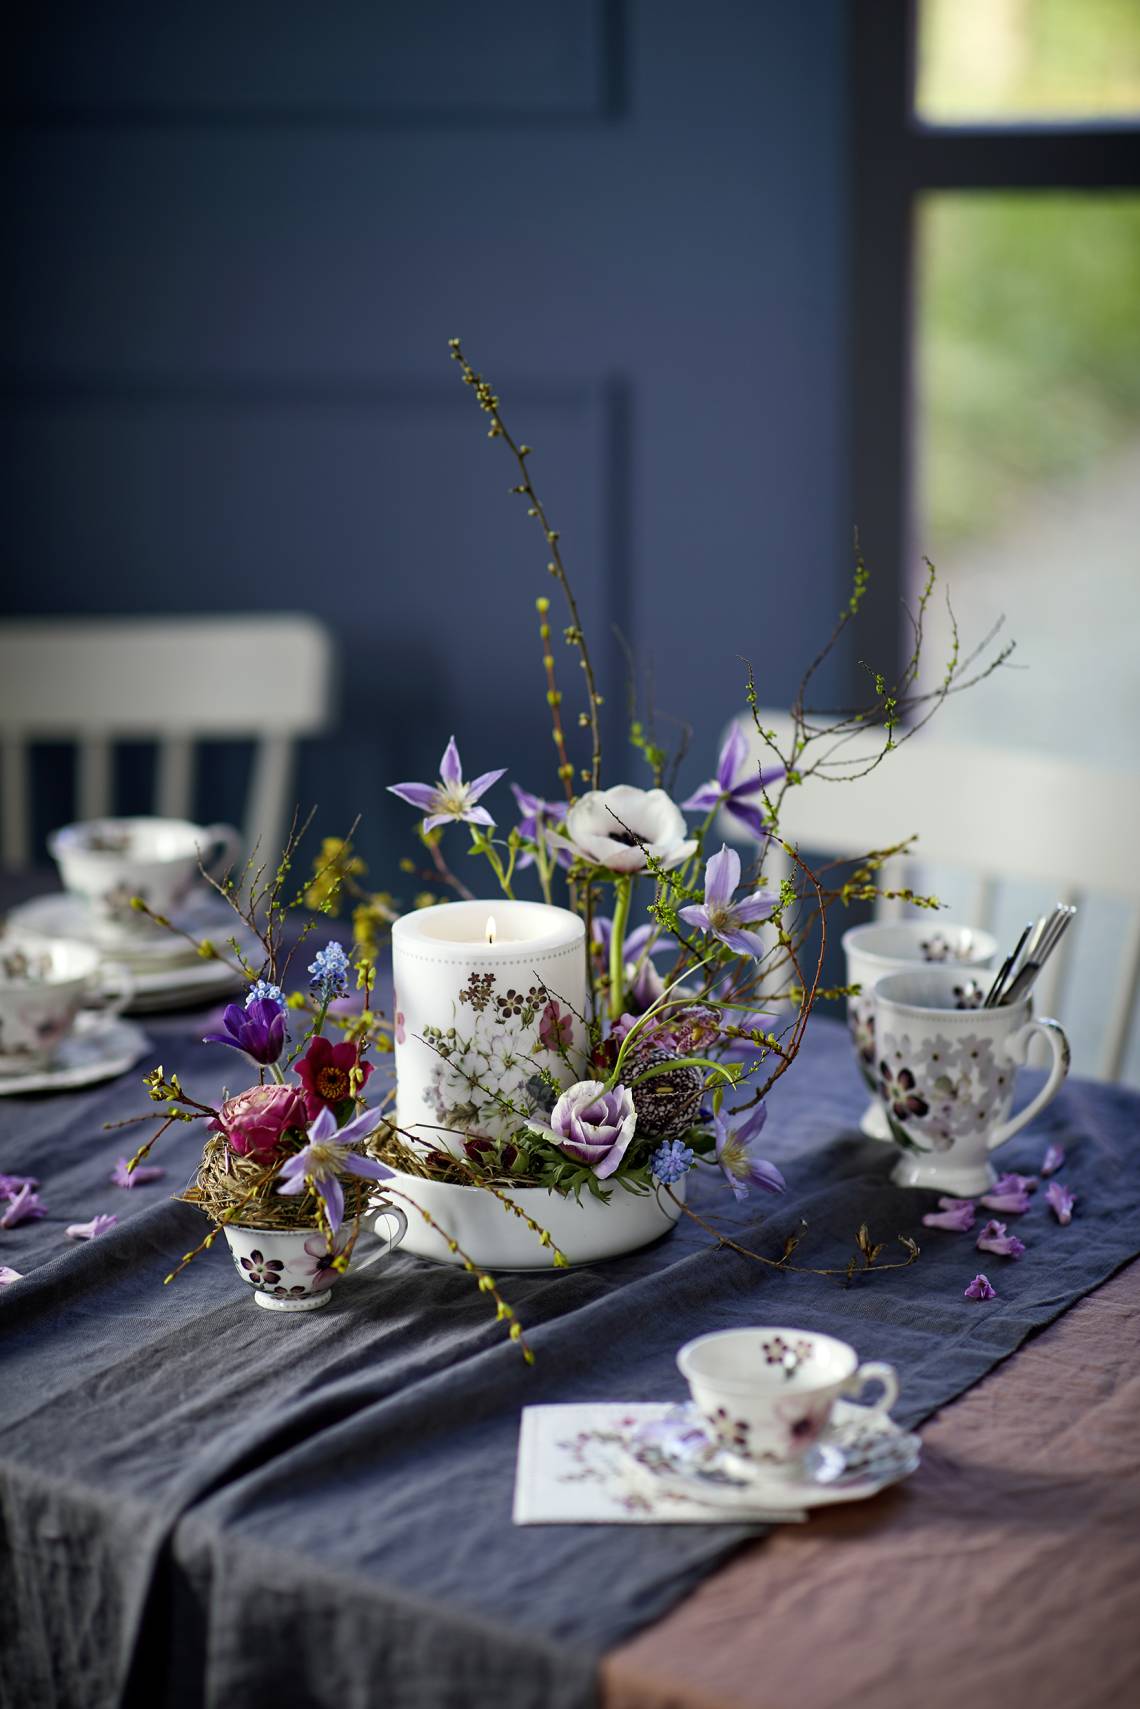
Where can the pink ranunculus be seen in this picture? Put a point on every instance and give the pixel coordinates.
(256, 1120)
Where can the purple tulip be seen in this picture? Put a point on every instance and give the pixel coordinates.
(258, 1030)
(723, 918)
(741, 1170)
(734, 785)
(450, 799)
(993, 1238)
(594, 1125)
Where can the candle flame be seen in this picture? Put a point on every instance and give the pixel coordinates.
(490, 928)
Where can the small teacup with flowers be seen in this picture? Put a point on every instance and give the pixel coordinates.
(768, 1394)
(294, 1269)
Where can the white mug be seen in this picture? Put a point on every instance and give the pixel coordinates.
(875, 950)
(768, 1394)
(946, 1077)
(291, 1269)
(44, 984)
(107, 862)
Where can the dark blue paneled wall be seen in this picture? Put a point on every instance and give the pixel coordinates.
(238, 239)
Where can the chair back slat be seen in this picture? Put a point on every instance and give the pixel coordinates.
(265, 826)
(16, 842)
(94, 794)
(1119, 1016)
(175, 793)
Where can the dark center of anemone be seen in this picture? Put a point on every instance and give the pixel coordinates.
(332, 1083)
(626, 839)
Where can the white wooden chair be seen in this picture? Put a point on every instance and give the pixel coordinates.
(172, 680)
(997, 816)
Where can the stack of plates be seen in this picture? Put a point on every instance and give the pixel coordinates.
(164, 970)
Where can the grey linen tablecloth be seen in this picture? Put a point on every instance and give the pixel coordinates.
(203, 1503)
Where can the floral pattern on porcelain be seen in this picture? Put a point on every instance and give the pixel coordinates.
(944, 1088)
(861, 1026)
(500, 1050)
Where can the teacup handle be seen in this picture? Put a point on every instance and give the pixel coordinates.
(110, 1006)
(228, 841)
(874, 1371)
(388, 1242)
(1017, 1049)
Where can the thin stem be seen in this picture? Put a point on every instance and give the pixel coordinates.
(623, 895)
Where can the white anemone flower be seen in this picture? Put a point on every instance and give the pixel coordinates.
(624, 829)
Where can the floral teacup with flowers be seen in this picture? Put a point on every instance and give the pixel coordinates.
(946, 1077)
(294, 1269)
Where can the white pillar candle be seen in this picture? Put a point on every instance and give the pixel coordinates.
(490, 996)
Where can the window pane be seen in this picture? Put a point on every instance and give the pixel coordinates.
(1007, 60)
(1028, 498)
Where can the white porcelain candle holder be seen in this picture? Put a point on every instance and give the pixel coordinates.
(490, 998)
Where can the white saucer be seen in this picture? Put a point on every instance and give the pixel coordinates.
(98, 1049)
(856, 1457)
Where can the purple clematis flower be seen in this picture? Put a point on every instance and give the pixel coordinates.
(258, 1030)
(537, 818)
(90, 1230)
(8, 1275)
(1011, 1183)
(735, 784)
(450, 799)
(980, 1289)
(993, 1238)
(24, 1205)
(741, 1170)
(720, 915)
(10, 1184)
(1053, 1160)
(327, 1154)
(121, 1176)
(957, 1215)
(1060, 1201)
(1012, 1203)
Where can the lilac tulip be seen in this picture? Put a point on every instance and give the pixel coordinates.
(981, 1289)
(328, 1154)
(450, 800)
(121, 1176)
(723, 918)
(1060, 1201)
(537, 818)
(994, 1238)
(741, 1170)
(957, 1215)
(23, 1206)
(258, 1030)
(1053, 1160)
(90, 1230)
(735, 784)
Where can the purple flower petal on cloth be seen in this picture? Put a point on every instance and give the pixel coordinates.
(722, 875)
(8, 1275)
(23, 1206)
(980, 1289)
(450, 769)
(1015, 1184)
(957, 1215)
(1010, 1204)
(1060, 1201)
(994, 1238)
(1053, 1160)
(10, 1184)
(90, 1230)
(137, 1177)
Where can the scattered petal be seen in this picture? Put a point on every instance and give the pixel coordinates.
(90, 1230)
(10, 1184)
(994, 1238)
(7, 1275)
(136, 1177)
(1060, 1201)
(24, 1206)
(1015, 1184)
(957, 1215)
(1053, 1160)
(1014, 1203)
(980, 1289)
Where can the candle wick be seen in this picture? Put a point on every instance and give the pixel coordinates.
(491, 929)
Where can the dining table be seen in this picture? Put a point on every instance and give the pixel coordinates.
(202, 1503)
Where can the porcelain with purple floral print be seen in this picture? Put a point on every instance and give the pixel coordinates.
(946, 1077)
(293, 1269)
(875, 950)
(768, 1394)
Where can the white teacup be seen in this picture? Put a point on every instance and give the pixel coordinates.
(946, 1077)
(109, 861)
(768, 1394)
(875, 950)
(291, 1269)
(44, 983)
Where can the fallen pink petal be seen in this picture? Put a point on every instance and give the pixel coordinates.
(10, 1184)
(1060, 1201)
(121, 1176)
(1015, 1184)
(90, 1230)
(7, 1275)
(957, 1215)
(1010, 1204)
(994, 1238)
(980, 1289)
(1053, 1160)
(23, 1206)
